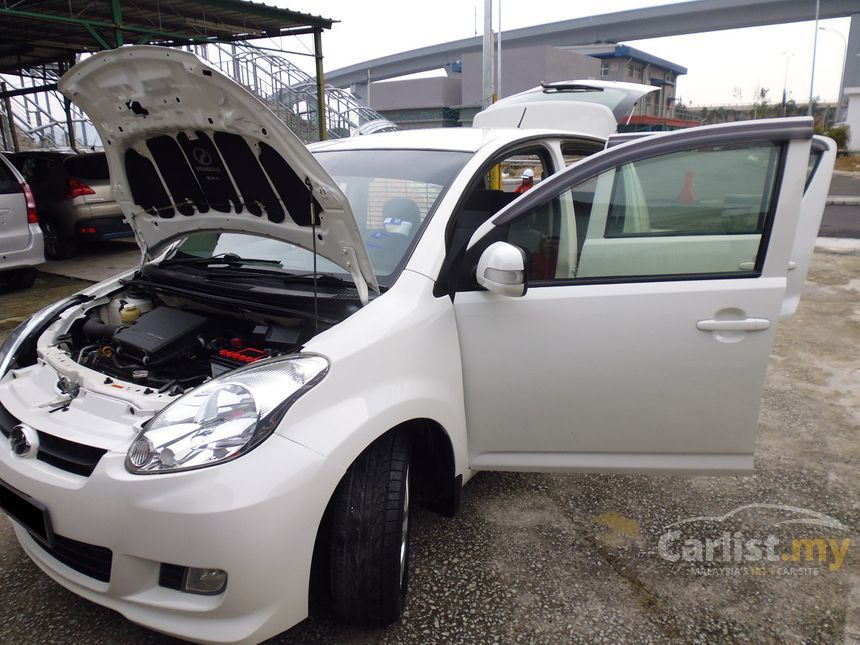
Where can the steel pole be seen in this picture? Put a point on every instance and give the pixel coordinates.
(10, 118)
(814, 48)
(321, 126)
(498, 92)
(487, 97)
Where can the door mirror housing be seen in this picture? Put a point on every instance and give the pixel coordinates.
(502, 270)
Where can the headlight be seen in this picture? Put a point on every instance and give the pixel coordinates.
(19, 342)
(224, 418)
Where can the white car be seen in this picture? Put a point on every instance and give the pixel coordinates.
(319, 339)
(21, 240)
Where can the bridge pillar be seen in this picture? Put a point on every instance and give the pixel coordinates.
(851, 71)
(850, 90)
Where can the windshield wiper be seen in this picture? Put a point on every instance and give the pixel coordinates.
(327, 278)
(230, 259)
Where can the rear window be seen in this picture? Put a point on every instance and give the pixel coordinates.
(89, 166)
(8, 181)
(34, 169)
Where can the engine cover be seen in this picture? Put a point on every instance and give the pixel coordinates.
(160, 334)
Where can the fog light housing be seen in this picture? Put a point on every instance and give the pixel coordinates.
(204, 582)
(208, 582)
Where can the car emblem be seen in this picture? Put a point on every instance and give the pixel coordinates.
(24, 441)
(202, 157)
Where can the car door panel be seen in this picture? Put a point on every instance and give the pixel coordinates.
(644, 370)
(811, 211)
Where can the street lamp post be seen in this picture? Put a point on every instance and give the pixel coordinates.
(814, 47)
(785, 83)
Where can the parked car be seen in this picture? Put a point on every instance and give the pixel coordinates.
(21, 245)
(320, 339)
(73, 198)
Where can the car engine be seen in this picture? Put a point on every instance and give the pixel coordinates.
(172, 349)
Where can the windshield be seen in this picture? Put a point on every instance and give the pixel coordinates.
(392, 193)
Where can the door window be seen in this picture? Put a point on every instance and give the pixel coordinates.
(693, 213)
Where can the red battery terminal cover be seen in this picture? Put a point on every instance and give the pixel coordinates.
(247, 355)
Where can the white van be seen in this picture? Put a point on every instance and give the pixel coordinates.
(317, 340)
(21, 241)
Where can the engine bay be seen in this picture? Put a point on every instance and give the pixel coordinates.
(171, 347)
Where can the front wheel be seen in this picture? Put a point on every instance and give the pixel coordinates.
(370, 534)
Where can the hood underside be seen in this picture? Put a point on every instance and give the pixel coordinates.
(190, 150)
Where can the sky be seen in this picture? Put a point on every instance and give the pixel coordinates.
(724, 67)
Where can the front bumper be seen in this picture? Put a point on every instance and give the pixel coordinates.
(255, 518)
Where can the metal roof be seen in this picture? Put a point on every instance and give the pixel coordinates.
(37, 32)
(626, 51)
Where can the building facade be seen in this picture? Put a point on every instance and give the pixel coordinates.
(453, 100)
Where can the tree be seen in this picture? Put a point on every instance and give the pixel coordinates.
(760, 103)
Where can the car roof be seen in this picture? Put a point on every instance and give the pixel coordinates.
(456, 139)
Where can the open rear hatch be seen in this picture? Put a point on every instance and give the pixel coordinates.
(586, 106)
(190, 150)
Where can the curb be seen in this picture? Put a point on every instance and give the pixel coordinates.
(843, 200)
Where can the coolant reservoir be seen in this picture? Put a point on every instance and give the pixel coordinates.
(115, 307)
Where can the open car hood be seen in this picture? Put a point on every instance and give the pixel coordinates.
(190, 150)
(588, 106)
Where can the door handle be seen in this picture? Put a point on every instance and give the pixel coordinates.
(745, 324)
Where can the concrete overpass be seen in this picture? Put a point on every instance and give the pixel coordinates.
(637, 24)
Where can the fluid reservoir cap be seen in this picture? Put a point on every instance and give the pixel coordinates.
(129, 313)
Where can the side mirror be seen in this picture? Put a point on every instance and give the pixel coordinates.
(502, 270)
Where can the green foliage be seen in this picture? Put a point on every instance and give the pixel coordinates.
(838, 133)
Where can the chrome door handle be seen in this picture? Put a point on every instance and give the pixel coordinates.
(745, 324)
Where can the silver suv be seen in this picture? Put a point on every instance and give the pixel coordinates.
(73, 198)
(21, 245)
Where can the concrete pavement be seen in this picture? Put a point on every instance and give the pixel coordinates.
(543, 558)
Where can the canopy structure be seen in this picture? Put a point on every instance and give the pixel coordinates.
(49, 34)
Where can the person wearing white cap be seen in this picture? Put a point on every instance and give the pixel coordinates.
(528, 180)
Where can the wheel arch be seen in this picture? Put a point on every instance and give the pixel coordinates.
(435, 484)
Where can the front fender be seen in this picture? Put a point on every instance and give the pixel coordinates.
(395, 360)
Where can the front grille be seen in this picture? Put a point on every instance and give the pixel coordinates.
(88, 559)
(7, 422)
(66, 455)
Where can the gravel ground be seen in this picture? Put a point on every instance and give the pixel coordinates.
(574, 558)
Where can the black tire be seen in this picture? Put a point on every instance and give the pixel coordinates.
(22, 278)
(57, 246)
(370, 535)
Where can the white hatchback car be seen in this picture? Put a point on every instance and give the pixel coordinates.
(317, 340)
(21, 240)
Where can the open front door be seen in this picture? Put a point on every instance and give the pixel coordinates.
(656, 277)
